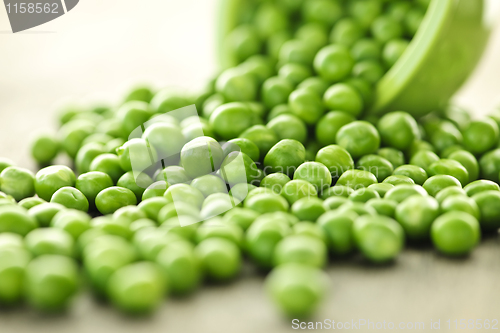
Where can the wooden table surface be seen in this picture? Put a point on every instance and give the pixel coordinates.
(95, 52)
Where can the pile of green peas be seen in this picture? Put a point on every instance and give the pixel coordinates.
(290, 171)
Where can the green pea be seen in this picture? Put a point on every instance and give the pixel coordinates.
(244, 145)
(460, 203)
(306, 105)
(448, 192)
(288, 126)
(436, 183)
(479, 186)
(29, 203)
(297, 289)
(333, 63)
(140, 93)
(381, 188)
(330, 124)
(16, 220)
(490, 165)
(416, 215)
(112, 127)
(424, 159)
(87, 154)
(184, 193)
(450, 167)
(359, 138)
(260, 66)
(220, 259)
(72, 134)
(445, 135)
(343, 97)
(308, 209)
(201, 156)
(133, 114)
(333, 203)
(166, 139)
(217, 228)
(50, 241)
(489, 208)
(181, 266)
(298, 189)
(377, 165)
(338, 229)
(383, 206)
(394, 156)
(111, 199)
(468, 161)
(275, 182)
(44, 213)
(336, 159)
(365, 12)
(402, 192)
(369, 70)
(173, 175)
(313, 33)
(182, 226)
(264, 138)
(209, 184)
(297, 51)
(151, 207)
(157, 189)
(285, 157)
(379, 238)
(17, 182)
(398, 130)
(315, 173)
(384, 28)
(294, 73)
(346, 32)
(416, 173)
(134, 155)
(239, 191)
(269, 19)
(71, 198)
(239, 168)
(309, 229)
(455, 233)
(5, 163)
(363, 195)
(91, 183)
(108, 164)
(48, 180)
(13, 262)
(72, 221)
(393, 50)
(130, 213)
(137, 288)
(356, 179)
(232, 119)
(51, 282)
(262, 237)
(44, 148)
(176, 209)
(241, 217)
(336, 191)
(300, 249)
(243, 42)
(314, 84)
(11, 240)
(398, 10)
(324, 12)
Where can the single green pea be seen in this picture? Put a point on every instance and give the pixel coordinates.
(13, 263)
(468, 161)
(297, 51)
(137, 288)
(338, 229)
(298, 189)
(285, 157)
(263, 137)
(420, 145)
(149, 242)
(308, 209)
(184, 193)
(201, 156)
(16, 220)
(44, 148)
(306, 105)
(300, 249)
(241, 217)
(173, 175)
(369, 70)
(489, 208)
(381, 188)
(44, 213)
(220, 259)
(416, 215)
(48, 180)
(315, 34)
(294, 73)
(91, 183)
(336, 159)
(130, 213)
(448, 192)
(139, 93)
(333, 203)
(178, 209)
(309, 229)
(74, 222)
(70, 197)
(330, 124)
(239, 192)
(51, 282)
(424, 159)
(5, 163)
(377, 165)
(398, 130)
(133, 114)
(366, 49)
(269, 19)
(365, 12)
(416, 173)
(108, 164)
(17, 182)
(112, 127)
(479, 186)
(182, 226)
(460, 203)
(333, 63)
(346, 32)
(363, 195)
(232, 119)
(259, 66)
(209, 184)
(50, 241)
(455, 233)
(217, 228)
(450, 167)
(243, 42)
(87, 154)
(111, 199)
(297, 289)
(398, 10)
(394, 156)
(239, 168)
(315, 173)
(151, 207)
(364, 88)
(359, 138)
(275, 182)
(166, 139)
(29, 203)
(135, 155)
(211, 104)
(157, 189)
(11, 240)
(436, 183)
(402, 192)
(490, 165)
(336, 191)
(262, 237)
(314, 84)
(357, 179)
(445, 135)
(72, 134)
(383, 206)
(181, 266)
(288, 126)
(244, 145)
(385, 28)
(343, 97)
(279, 110)
(136, 183)
(323, 12)
(393, 50)
(379, 238)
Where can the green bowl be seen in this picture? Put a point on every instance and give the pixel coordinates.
(443, 53)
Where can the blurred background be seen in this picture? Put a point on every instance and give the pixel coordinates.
(98, 50)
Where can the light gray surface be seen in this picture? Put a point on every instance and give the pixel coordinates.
(97, 49)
